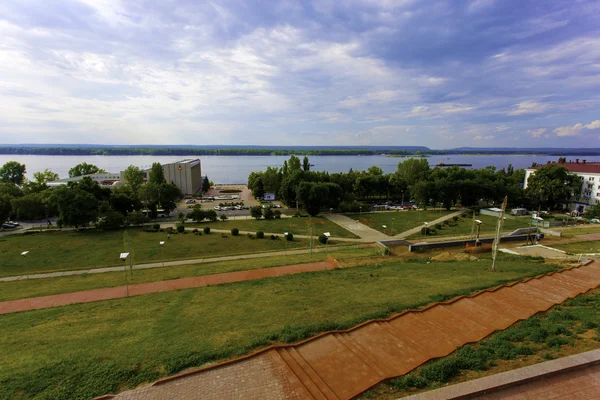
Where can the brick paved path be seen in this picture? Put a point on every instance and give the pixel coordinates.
(342, 364)
(88, 296)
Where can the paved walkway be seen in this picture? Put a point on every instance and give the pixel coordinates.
(119, 292)
(176, 263)
(365, 232)
(343, 364)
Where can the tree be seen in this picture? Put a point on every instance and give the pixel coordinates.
(123, 200)
(305, 164)
(256, 212)
(85, 169)
(5, 207)
(33, 206)
(13, 172)
(111, 221)
(76, 207)
(156, 174)
(553, 184)
(205, 184)
(136, 218)
(594, 211)
(197, 214)
(258, 190)
(268, 213)
(412, 170)
(169, 195)
(45, 176)
(294, 164)
(134, 177)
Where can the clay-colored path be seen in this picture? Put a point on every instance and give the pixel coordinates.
(88, 296)
(342, 364)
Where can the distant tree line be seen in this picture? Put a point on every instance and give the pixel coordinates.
(84, 202)
(180, 151)
(296, 186)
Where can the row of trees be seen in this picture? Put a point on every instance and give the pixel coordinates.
(80, 203)
(295, 185)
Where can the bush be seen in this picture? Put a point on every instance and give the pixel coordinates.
(425, 231)
(277, 214)
(455, 218)
(260, 234)
(438, 226)
(268, 213)
(180, 228)
(223, 217)
(235, 231)
(323, 239)
(195, 230)
(156, 226)
(441, 370)
(206, 230)
(274, 237)
(289, 237)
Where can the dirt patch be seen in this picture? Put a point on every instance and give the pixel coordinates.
(447, 256)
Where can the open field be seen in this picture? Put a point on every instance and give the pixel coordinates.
(43, 287)
(464, 226)
(397, 221)
(297, 226)
(579, 230)
(70, 250)
(567, 329)
(579, 247)
(85, 350)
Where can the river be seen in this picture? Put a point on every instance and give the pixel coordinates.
(235, 169)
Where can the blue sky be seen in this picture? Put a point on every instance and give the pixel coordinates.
(358, 72)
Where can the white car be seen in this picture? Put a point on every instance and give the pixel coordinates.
(596, 221)
(218, 208)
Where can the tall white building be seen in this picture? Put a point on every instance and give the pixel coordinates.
(589, 171)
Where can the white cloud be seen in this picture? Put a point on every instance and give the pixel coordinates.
(502, 128)
(537, 133)
(576, 129)
(480, 137)
(528, 107)
(594, 124)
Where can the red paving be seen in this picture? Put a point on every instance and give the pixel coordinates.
(88, 296)
(343, 364)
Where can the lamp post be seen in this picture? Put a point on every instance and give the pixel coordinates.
(285, 244)
(479, 222)
(123, 257)
(25, 253)
(425, 225)
(327, 234)
(384, 228)
(162, 245)
(392, 231)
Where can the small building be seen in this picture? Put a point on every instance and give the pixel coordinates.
(103, 179)
(519, 211)
(269, 197)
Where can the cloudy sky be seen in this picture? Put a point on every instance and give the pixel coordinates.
(518, 73)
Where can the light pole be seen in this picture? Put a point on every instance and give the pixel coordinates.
(327, 234)
(162, 244)
(479, 222)
(384, 228)
(285, 244)
(425, 225)
(392, 232)
(25, 253)
(123, 257)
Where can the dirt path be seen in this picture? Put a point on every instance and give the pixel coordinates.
(342, 364)
(88, 296)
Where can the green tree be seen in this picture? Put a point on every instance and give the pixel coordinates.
(256, 212)
(123, 200)
(305, 164)
(13, 172)
(551, 185)
(156, 174)
(10, 189)
(197, 214)
(33, 206)
(412, 170)
(111, 221)
(134, 177)
(45, 176)
(594, 211)
(5, 207)
(268, 213)
(76, 207)
(85, 169)
(205, 184)
(258, 190)
(294, 164)
(169, 196)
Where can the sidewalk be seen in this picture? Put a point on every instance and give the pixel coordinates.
(342, 364)
(175, 263)
(363, 231)
(119, 292)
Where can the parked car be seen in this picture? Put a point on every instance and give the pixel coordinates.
(190, 201)
(595, 221)
(14, 223)
(8, 225)
(218, 208)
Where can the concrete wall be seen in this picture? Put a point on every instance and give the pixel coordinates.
(462, 243)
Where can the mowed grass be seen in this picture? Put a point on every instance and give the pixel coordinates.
(86, 350)
(578, 230)
(70, 250)
(297, 226)
(464, 226)
(398, 221)
(579, 247)
(48, 286)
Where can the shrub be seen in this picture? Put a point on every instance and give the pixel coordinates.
(180, 228)
(425, 231)
(438, 226)
(441, 370)
(273, 237)
(156, 226)
(289, 237)
(206, 230)
(235, 231)
(195, 230)
(260, 234)
(323, 239)
(455, 218)
(268, 213)
(277, 214)
(223, 217)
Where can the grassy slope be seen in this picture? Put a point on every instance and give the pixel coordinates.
(297, 226)
(579, 247)
(91, 349)
(402, 220)
(43, 287)
(464, 226)
(69, 250)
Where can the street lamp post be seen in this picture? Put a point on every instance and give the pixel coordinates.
(25, 253)
(384, 228)
(285, 244)
(425, 224)
(392, 231)
(162, 244)
(479, 222)
(123, 257)
(327, 234)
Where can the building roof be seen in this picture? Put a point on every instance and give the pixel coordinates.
(577, 165)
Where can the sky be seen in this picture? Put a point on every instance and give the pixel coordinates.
(442, 74)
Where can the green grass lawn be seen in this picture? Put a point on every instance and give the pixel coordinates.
(488, 226)
(579, 230)
(398, 221)
(579, 247)
(43, 287)
(70, 250)
(297, 226)
(86, 350)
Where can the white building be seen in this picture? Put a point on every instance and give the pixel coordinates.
(589, 171)
(106, 179)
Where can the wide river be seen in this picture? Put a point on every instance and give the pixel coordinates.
(235, 169)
